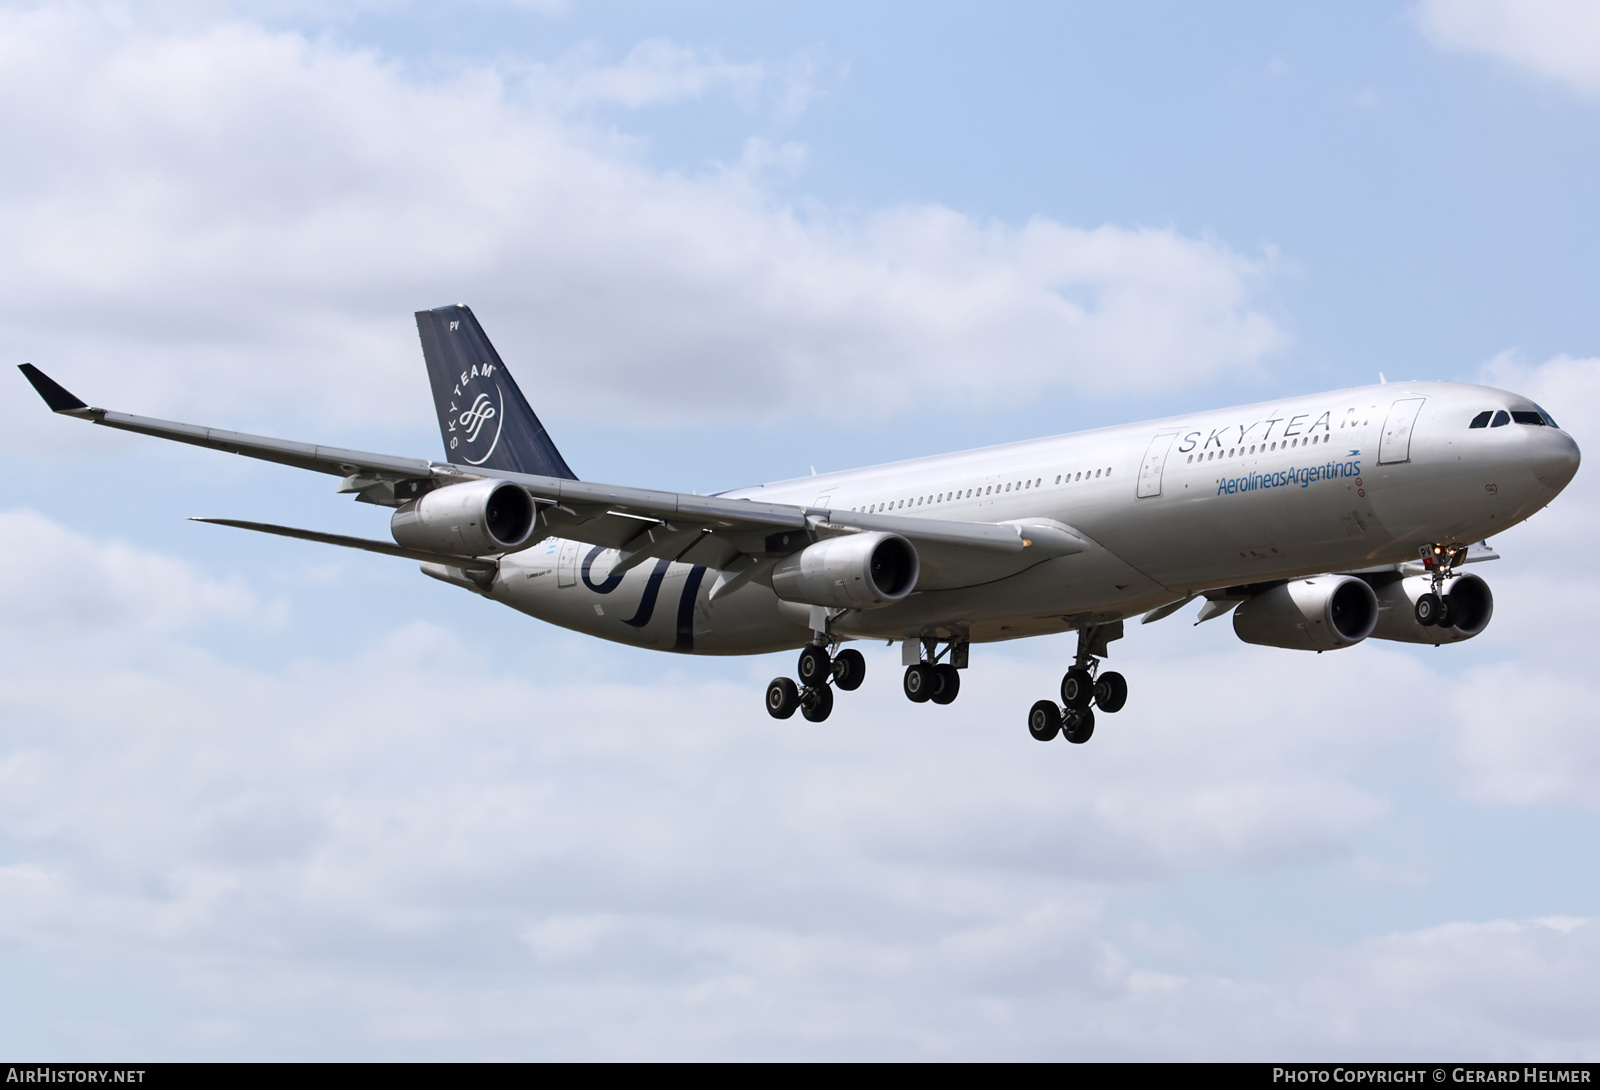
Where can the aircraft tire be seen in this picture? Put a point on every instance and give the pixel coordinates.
(814, 666)
(946, 683)
(1110, 692)
(783, 697)
(849, 669)
(817, 704)
(1429, 608)
(1077, 688)
(1078, 727)
(918, 683)
(1044, 721)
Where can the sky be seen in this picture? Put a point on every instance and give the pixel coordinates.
(261, 799)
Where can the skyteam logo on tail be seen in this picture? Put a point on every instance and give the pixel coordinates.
(474, 431)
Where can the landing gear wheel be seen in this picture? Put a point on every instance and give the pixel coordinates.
(1446, 610)
(817, 704)
(918, 683)
(946, 683)
(849, 669)
(1078, 726)
(1077, 688)
(1430, 607)
(814, 666)
(1044, 721)
(1110, 691)
(783, 697)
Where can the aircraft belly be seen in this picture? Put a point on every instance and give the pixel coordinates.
(1049, 597)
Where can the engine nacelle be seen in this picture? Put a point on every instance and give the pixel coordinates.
(475, 519)
(1319, 614)
(860, 571)
(1471, 606)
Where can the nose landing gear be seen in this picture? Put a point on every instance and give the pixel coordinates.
(1083, 689)
(1441, 560)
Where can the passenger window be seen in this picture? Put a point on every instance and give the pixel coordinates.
(1501, 419)
(1097, 473)
(1522, 416)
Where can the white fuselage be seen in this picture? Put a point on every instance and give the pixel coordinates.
(1263, 492)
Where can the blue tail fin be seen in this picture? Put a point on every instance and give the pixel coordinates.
(483, 417)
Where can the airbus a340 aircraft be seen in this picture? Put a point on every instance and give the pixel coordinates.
(1319, 521)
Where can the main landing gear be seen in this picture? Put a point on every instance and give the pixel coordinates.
(813, 696)
(926, 677)
(1437, 607)
(1084, 685)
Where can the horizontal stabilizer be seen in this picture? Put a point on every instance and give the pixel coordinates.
(55, 395)
(468, 563)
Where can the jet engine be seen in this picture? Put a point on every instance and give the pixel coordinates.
(1319, 614)
(859, 571)
(1470, 603)
(475, 519)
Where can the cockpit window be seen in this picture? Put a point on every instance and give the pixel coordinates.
(1521, 416)
(1482, 419)
(1548, 421)
(1501, 419)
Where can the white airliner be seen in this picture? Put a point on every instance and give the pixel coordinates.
(1320, 521)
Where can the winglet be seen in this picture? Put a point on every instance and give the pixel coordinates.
(54, 394)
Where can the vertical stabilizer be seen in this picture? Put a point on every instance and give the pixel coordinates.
(483, 417)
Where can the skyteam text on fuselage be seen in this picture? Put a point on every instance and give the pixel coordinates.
(1319, 521)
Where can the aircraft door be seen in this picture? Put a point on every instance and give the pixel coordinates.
(567, 564)
(1155, 462)
(1395, 445)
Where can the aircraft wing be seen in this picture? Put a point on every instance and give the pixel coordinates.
(319, 459)
(716, 531)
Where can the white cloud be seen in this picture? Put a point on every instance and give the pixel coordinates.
(219, 218)
(659, 72)
(60, 584)
(408, 848)
(1558, 40)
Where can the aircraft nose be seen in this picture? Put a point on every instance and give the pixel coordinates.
(1556, 461)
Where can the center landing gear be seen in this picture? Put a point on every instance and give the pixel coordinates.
(1441, 560)
(926, 677)
(1083, 689)
(820, 673)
